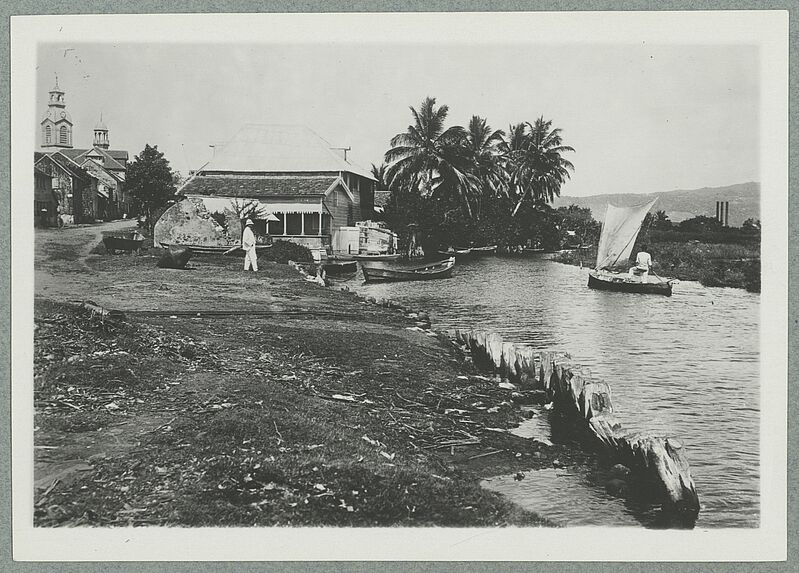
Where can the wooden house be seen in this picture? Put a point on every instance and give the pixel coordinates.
(291, 172)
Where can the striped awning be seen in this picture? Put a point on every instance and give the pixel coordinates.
(291, 207)
(219, 204)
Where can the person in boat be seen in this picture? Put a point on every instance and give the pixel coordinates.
(248, 245)
(643, 262)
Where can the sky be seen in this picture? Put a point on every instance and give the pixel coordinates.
(641, 118)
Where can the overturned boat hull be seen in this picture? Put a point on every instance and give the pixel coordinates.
(622, 283)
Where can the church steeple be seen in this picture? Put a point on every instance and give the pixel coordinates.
(57, 123)
(101, 134)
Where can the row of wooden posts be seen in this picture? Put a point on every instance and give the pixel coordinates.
(659, 461)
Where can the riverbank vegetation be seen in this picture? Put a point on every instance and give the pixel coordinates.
(459, 186)
(698, 249)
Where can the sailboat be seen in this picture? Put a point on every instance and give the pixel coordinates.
(619, 231)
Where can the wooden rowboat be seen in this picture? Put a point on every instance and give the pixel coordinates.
(374, 271)
(217, 249)
(380, 257)
(128, 242)
(457, 253)
(621, 282)
(339, 267)
(489, 250)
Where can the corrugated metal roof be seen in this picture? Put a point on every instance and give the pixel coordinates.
(280, 148)
(258, 187)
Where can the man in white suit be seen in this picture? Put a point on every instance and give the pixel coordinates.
(248, 244)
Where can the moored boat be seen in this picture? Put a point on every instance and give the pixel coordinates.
(620, 228)
(340, 267)
(377, 257)
(621, 282)
(457, 253)
(487, 250)
(374, 271)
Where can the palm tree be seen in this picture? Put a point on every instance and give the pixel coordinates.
(379, 173)
(537, 167)
(430, 160)
(515, 138)
(485, 153)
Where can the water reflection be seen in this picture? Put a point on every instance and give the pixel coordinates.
(684, 366)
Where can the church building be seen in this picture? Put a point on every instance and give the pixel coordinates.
(76, 185)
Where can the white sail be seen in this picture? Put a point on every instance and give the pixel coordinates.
(619, 231)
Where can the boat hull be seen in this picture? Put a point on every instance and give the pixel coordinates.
(619, 284)
(385, 257)
(483, 251)
(218, 249)
(460, 254)
(334, 267)
(114, 243)
(382, 272)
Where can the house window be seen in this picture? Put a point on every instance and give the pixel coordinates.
(63, 135)
(311, 223)
(294, 224)
(276, 227)
(48, 134)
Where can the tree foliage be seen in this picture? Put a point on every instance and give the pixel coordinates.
(462, 186)
(149, 180)
(700, 224)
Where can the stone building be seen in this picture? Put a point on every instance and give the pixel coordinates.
(69, 168)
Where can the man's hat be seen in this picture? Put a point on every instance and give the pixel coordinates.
(249, 222)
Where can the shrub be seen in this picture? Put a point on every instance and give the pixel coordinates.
(285, 251)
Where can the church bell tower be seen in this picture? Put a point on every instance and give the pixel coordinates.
(101, 134)
(57, 123)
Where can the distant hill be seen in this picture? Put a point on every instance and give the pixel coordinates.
(681, 204)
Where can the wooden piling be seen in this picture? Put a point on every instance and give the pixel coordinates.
(656, 460)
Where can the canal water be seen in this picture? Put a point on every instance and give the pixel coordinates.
(685, 366)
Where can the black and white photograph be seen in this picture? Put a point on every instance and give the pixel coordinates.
(439, 286)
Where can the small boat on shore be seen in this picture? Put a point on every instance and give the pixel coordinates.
(483, 251)
(378, 257)
(375, 271)
(217, 249)
(123, 242)
(339, 266)
(457, 253)
(620, 228)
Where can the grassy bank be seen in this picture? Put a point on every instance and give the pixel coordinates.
(286, 427)
(290, 405)
(712, 264)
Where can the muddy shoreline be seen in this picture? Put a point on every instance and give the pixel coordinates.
(315, 408)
